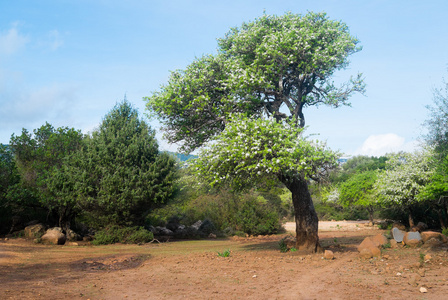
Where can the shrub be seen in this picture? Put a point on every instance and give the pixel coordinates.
(445, 231)
(225, 253)
(125, 235)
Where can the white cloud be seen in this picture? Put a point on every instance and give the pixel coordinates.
(12, 41)
(377, 145)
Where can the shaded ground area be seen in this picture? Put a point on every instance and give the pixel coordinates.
(192, 270)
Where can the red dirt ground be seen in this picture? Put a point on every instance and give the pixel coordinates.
(256, 269)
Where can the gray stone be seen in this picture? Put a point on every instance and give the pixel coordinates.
(412, 238)
(398, 234)
(197, 225)
(72, 236)
(34, 231)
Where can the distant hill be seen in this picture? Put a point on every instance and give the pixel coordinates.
(182, 157)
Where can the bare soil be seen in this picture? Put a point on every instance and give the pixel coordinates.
(256, 269)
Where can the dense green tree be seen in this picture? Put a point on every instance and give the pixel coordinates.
(359, 190)
(405, 177)
(39, 158)
(355, 165)
(271, 63)
(119, 175)
(436, 190)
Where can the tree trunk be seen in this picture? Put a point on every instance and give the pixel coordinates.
(370, 210)
(441, 218)
(307, 239)
(411, 219)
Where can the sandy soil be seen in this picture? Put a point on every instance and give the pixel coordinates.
(256, 269)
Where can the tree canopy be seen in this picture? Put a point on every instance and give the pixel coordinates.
(120, 174)
(265, 65)
(405, 177)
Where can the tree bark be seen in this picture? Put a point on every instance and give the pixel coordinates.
(370, 210)
(307, 223)
(411, 219)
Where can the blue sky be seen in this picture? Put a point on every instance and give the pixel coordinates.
(68, 62)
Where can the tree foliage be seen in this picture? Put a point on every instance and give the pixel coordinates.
(249, 150)
(120, 174)
(39, 158)
(404, 179)
(359, 190)
(273, 62)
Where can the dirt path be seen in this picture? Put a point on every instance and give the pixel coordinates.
(256, 269)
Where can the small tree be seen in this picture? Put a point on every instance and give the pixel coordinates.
(119, 175)
(359, 190)
(405, 177)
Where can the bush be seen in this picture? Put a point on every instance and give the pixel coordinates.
(125, 235)
(226, 212)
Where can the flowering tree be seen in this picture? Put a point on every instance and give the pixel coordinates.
(274, 66)
(404, 179)
(249, 150)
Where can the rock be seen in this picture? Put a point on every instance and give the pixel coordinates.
(422, 226)
(164, 231)
(212, 236)
(393, 243)
(328, 254)
(379, 240)
(432, 243)
(72, 236)
(413, 243)
(423, 290)
(368, 249)
(427, 257)
(54, 236)
(399, 226)
(365, 253)
(196, 225)
(412, 238)
(398, 234)
(34, 231)
(71, 244)
(427, 235)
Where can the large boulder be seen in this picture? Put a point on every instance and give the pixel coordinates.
(412, 238)
(368, 248)
(379, 240)
(427, 235)
(34, 231)
(54, 236)
(398, 234)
